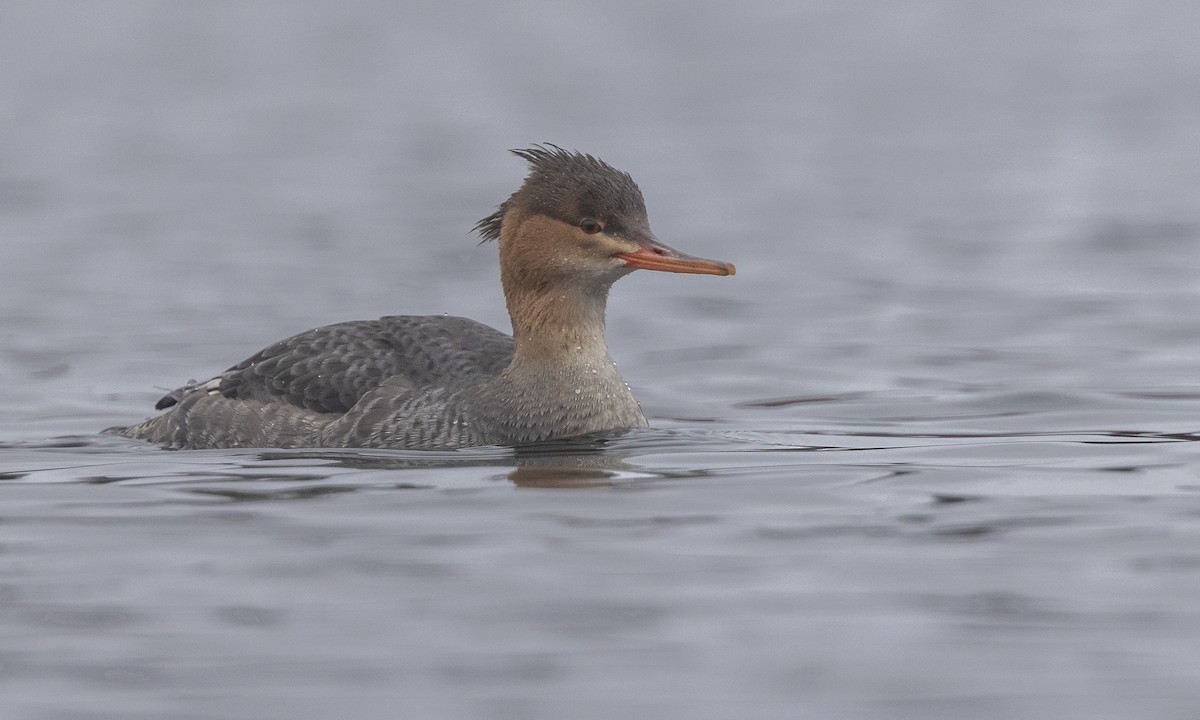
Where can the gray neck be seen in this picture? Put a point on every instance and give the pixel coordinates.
(562, 381)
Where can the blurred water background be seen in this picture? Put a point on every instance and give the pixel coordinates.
(931, 454)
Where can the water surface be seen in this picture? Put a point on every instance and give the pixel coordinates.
(930, 454)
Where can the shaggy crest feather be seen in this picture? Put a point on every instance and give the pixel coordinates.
(566, 184)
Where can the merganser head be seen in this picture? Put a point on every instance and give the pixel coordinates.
(577, 216)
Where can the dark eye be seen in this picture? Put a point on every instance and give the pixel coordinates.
(590, 226)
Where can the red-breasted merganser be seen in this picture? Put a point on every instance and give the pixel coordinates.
(575, 226)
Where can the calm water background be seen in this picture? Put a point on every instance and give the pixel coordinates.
(931, 454)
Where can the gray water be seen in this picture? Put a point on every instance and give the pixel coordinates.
(932, 453)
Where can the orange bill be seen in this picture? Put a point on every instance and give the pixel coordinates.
(653, 255)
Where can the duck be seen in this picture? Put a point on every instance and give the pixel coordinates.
(574, 227)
